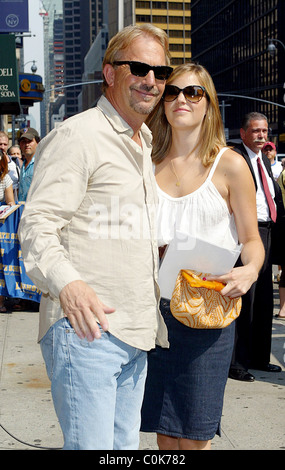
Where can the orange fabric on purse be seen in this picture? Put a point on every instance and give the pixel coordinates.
(197, 303)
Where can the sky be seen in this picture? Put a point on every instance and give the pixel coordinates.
(34, 50)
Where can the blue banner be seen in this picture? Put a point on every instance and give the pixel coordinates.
(14, 17)
(14, 282)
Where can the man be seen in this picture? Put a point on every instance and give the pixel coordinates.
(254, 325)
(269, 149)
(4, 142)
(12, 167)
(88, 240)
(28, 141)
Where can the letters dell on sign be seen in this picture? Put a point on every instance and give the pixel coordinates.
(6, 72)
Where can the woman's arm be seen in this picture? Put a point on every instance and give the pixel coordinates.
(241, 198)
(9, 196)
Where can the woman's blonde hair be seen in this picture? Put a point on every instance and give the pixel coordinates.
(212, 136)
(123, 39)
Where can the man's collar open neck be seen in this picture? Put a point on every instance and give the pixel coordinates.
(133, 119)
(28, 160)
(252, 152)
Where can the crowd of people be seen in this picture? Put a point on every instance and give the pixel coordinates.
(20, 163)
(16, 172)
(104, 192)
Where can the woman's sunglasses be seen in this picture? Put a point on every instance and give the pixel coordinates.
(140, 69)
(192, 93)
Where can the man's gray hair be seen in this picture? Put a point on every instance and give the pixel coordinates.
(250, 117)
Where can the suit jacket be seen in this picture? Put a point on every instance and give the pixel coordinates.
(278, 229)
(240, 148)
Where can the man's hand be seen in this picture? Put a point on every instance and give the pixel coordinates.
(81, 305)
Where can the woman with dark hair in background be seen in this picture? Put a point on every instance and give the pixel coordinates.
(7, 197)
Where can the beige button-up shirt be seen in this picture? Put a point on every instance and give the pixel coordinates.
(91, 215)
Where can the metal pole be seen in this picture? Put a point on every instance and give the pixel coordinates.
(120, 14)
(223, 111)
(251, 98)
(13, 129)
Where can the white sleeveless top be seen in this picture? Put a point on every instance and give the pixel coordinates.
(203, 214)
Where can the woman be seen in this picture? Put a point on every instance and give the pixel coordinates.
(15, 152)
(205, 189)
(6, 191)
(14, 167)
(6, 197)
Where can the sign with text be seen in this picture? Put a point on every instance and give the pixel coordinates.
(14, 16)
(31, 88)
(14, 281)
(9, 78)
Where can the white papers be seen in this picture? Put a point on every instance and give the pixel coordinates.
(6, 210)
(186, 252)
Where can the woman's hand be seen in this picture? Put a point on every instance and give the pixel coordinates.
(238, 281)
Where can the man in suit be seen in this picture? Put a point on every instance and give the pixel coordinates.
(254, 325)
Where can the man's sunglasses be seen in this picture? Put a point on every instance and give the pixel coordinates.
(139, 69)
(192, 93)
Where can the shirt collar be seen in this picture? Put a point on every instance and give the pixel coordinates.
(118, 123)
(251, 153)
(30, 163)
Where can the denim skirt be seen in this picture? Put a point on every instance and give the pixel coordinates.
(185, 384)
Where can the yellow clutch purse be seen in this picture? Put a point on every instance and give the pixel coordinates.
(197, 303)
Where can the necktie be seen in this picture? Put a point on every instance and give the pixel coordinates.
(270, 202)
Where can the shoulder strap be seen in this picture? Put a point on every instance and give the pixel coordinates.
(215, 164)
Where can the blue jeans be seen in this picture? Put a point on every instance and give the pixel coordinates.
(97, 388)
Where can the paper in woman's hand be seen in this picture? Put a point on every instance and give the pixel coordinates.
(186, 252)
